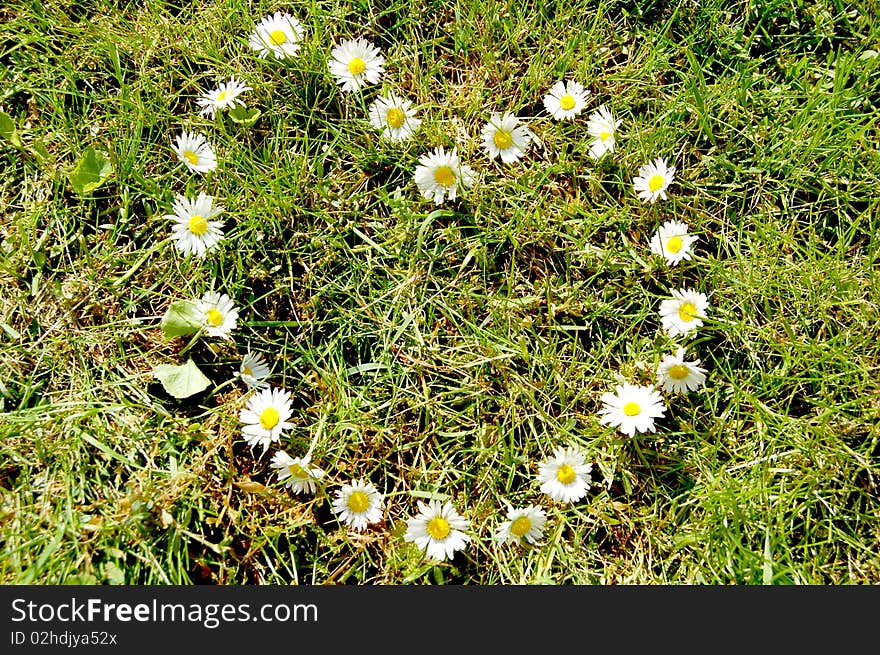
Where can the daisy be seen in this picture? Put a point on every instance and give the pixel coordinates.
(652, 180)
(679, 376)
(394, 116)
(253, 371)
(632, 408)
(522, 524)
(565, 477)
(358, 504)
(440, 174)
(196, 152)
(219, 315)
(356, 64)
(277, 35)
(300, 475)
(683, 312)
(194, 231)
(223, 97)
(672, 241)
(503, 135)
(438, 530)
(565, 100)
(265, 417)
(603, 128)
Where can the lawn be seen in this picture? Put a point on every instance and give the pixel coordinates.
(442, 352)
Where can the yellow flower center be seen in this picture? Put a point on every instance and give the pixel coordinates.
(358, 502)
(503, 139)
(655, 183)
(357, 66)
(604, 136)
(247, 371)
(674, 244)
(297, 471)
(198, 225)
(438, 528)
(678, 372)
(444, 175)
(631, 409)
(214, 318)
(521, 526)
(191, 157)
(269, 418)
(565, 474)
(566, 102)
(222, 96)
(394, 117)
(687, 312)
(277, 37)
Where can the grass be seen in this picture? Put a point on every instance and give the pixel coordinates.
(444, 353)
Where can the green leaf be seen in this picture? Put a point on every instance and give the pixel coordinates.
(244, 116)
(8, 130)
(90, 172)
(768, 559)
(11, 332)
(181, 319)
(41, 152)
(114, 574)
(181, 381)
(429, 495)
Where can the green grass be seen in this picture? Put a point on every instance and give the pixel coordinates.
(444, 353)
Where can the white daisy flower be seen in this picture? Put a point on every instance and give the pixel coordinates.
(253, 371)
(265, 417)
(358, 504)
(219, 315)
(441, 174)
(565, 100)
(504, 136)
(526, 523)
(356, 64)
(679, 376)
(438, 530)
(301, 476)
(683, 312)
(224, 96)
(196, 152)
(194, 231)
(603, 128)
(278, 35)
(632, 408)
(672, 242)
(565, 477)
(394, 116)
(652, 180)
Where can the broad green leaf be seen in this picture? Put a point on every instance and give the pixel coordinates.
(42, 152)
(181, 319)
(113, 573)
(244, 116)
(8, 130)
(90, 172)
(181, 381)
